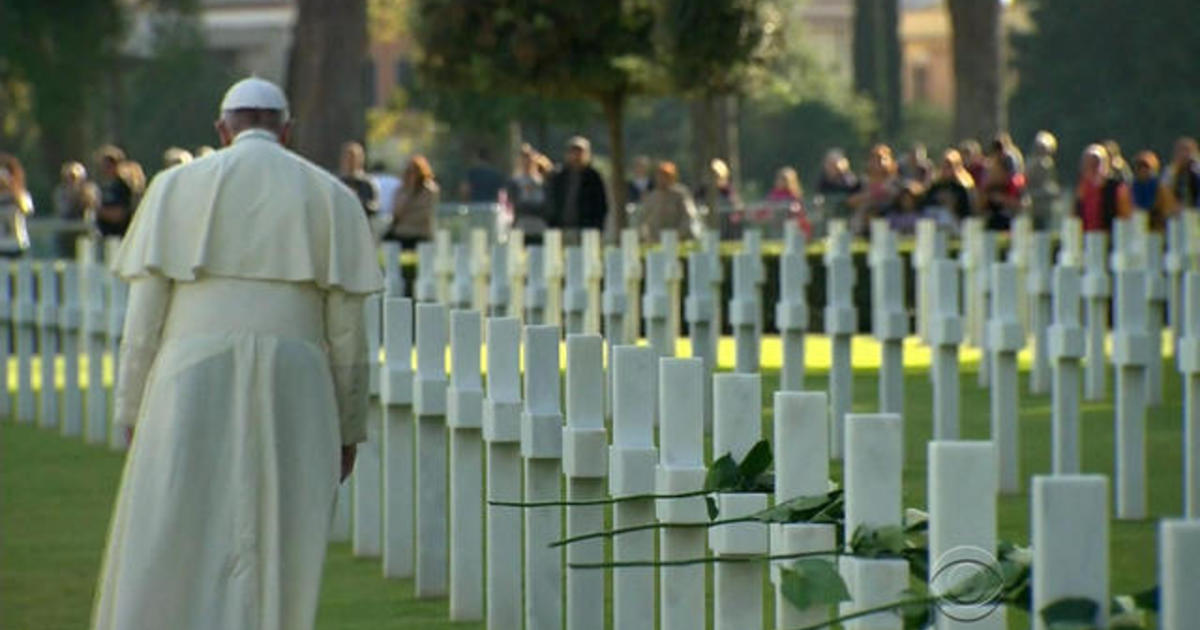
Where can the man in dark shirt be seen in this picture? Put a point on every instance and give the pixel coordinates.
(483, 181)
(116, 197)
(578, 199)
(354, 175)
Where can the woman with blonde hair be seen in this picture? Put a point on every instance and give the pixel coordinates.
(15, 205)
(416, 201)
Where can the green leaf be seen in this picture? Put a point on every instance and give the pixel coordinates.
(813, 582)
(1147, 599)
(799, 509)
(756, 462)
(1070, 612)
(711, 505)
(917, 609)
(723, 474)
(878, 542)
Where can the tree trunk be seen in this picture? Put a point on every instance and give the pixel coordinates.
(704, 144)
(325, 74)
(877, 59)
(978, 93)
(614, 114)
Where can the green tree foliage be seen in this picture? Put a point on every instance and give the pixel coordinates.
(601, 51)
(1108, 69)
(713, 51)
(66, 52)
(172, 96)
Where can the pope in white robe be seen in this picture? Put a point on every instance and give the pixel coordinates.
(243, 380)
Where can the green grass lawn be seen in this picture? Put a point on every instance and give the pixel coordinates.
(56, 496)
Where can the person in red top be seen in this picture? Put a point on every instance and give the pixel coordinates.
(1003, 194)
(1100, 197)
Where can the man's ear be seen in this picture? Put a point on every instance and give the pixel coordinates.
(285, 133)
(223, 132)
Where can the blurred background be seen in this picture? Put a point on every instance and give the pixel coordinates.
(758, 84)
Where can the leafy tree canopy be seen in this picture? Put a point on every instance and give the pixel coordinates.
(1102, 69)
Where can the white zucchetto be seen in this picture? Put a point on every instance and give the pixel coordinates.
(255, 93)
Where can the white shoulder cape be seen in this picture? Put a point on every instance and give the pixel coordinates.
(254, 210)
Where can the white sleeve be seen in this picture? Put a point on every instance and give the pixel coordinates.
(346, 336)
(149, 297)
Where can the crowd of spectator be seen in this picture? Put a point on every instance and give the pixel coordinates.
(996, 183)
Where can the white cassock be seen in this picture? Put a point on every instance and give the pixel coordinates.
(244, 370)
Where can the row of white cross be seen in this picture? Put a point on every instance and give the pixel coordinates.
(528, 452)
(426, 517)
(75, 309)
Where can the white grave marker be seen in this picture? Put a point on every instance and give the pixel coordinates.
(631, 472)
(366, 533)
(841, 320)
(47, 316)
(1069, 536)
(1005, 338)
(737, 426)
(791, 312)
(429, 407)
(552, 268)
(575, 295)
(1096, 290)
(681, 469)
(541, 449)
(395, 393)
(502, 433)
(945, 333)
(1065, 339)
(70, 323)
(656, 306)
(464, 417)
(1131, 353)
(25, 318)
(1037, 285)
(585, 466)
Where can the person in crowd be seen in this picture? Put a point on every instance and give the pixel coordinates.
(116, 192)
(15, 206)
(915, 167)
(577, 194)
(416, 201)
(787, 190)
(667, 206)
(1145, 188)
(903, 215)
(203, 151)
(527, 193)
(387, 184)
(75, 200)
(175, 156)
(1181, 180)
(973, 160)
(483, 182)
(1002, 147)
(836, 176)
(1100, 197)
(836, 184)
(879, 191)
(716, 193)
(1118, 167)
(642, 181)
(951, 196)
(352, 172)
(1041, 177)
(787, 186)
(1002, 197)
(243, 382)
